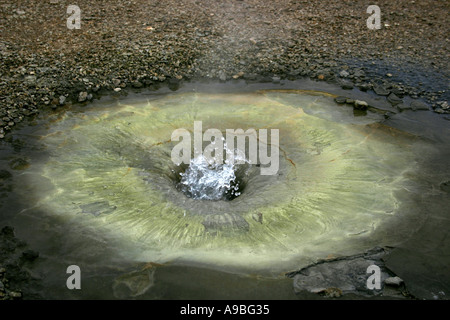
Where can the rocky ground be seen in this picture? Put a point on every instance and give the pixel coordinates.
(123, 44)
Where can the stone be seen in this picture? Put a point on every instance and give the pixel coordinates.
(222, 75)
(276, 79)
(82, 96)
(393, 281)
(361, 105)
(403, 107)
(62, 100)
(238, 75)
(340, 100)
(344, 74)
(381, 90)
(117, 89)
(15, 294)
(419, 105)
(136, 84)
(335, 277)
(393, 99)
(350, 101)
(346, 85)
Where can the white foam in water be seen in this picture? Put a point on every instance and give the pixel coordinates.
(207, 180)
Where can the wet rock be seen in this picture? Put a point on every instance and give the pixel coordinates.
(393, 281)
(340, 100)
(337, 276)
(419, 105)
(364, 86)
(347, 85)
(403, 107)
(350, 101)
(97, 208)
(381, 90)
(443, 105)
(137, 84)
(393, 99)
(361, 105)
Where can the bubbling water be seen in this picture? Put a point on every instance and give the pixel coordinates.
(206, 181)
(111, 177)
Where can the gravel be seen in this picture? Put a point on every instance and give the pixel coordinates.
(139, 43)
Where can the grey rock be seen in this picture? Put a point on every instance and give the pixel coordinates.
(15, 294)
(393, 281)
(116, 82)
(359, 73)
(276, 79)
(82, 96)
(361, 105)
(62, 100)
(347, 85)
(340, 99)
(222, 75)
(30, 80)
(393, 99)
(136, 84)
(443, 104)
(381, 90)
(337, 276)
(350, 101)
(419, 105)
(344, 74)
(403, 107)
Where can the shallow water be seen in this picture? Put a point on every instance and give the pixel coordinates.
(100, 191)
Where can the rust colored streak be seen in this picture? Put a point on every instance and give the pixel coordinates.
(292, 162)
